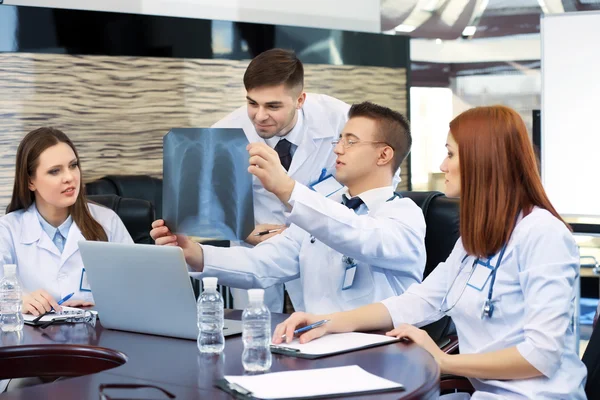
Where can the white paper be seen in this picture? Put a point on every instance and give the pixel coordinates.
(312, 382)
(337, 342)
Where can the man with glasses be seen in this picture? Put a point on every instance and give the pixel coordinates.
(365, 249)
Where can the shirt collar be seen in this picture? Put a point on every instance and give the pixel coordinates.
(51, 230)
(294, 136)
(374, 197)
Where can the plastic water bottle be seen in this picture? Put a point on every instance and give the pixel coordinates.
(11, 317)
(210, 318)
(256, 333)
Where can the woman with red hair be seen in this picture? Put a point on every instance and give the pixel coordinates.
(509, 283)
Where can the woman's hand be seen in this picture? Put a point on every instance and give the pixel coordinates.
(421, 338)
(295, 321)
(39, 302)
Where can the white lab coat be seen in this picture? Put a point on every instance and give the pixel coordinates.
(39, 263)
(388, 244)
(324, 119)
(533, 299)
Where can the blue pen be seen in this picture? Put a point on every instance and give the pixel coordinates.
(67, 297)
(323, 173)
(307, 327)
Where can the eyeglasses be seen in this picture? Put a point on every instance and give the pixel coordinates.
(347, 143)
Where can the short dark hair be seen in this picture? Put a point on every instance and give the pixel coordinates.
(394, 128)
(273, 68)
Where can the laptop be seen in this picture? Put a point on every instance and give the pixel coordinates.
(144, 288)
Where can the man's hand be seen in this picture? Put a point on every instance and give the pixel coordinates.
(265, 165)
(258, 236)
(192, 252)
(39, 302)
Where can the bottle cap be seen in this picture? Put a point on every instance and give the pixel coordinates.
(10, 269)
(256, 295)
(210, 283)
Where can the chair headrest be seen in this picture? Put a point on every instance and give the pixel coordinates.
(443, 225)
(137, 214)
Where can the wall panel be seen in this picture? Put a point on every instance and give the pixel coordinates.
(117, 109)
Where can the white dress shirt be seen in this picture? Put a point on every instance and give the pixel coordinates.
(40, 264)
(533, 298)
(387, 241)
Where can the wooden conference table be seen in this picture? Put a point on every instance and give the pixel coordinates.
(176, 365)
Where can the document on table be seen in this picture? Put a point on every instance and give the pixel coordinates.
(335, 343)
(306, 384)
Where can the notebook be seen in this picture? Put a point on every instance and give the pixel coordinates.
(308, 384)
(332, 344)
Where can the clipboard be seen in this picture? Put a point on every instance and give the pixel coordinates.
(338, 343)
(383, 385)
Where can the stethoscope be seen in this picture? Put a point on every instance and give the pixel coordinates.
(488, 306)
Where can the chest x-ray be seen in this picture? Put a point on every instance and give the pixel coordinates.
(207, 190)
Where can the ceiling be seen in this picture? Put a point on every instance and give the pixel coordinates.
(447, 19)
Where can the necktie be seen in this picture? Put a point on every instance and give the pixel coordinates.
(59, 241)
(283, 148)
(352, 203)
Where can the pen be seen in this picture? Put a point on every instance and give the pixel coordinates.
(67, 297)
(323, 173)
(307, 327)
(262, 233)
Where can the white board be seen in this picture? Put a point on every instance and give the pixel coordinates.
(571, 112)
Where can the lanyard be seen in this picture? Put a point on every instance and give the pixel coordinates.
(488, 306)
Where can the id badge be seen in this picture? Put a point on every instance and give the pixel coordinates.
(349, 272)
(480, 276)
(326, 186)
(84, 286)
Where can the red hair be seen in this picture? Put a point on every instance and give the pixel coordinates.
(498, 177)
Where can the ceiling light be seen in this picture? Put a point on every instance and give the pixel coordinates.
(469, 30)
(404, 28)
(542, 5)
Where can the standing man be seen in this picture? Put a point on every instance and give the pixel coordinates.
(299, 126)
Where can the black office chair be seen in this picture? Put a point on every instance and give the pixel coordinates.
(130, 186)
(443, 230)
(591, 359)
(137, 214)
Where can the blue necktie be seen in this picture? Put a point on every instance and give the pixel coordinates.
(352, 203)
